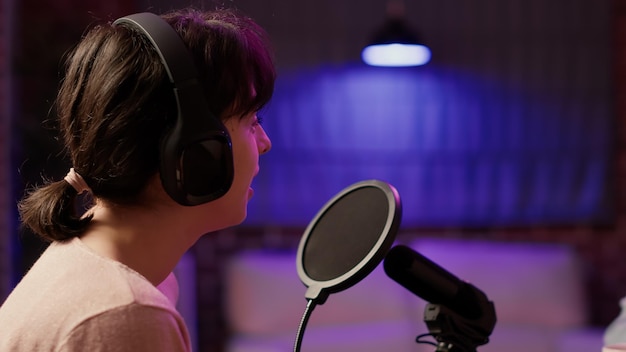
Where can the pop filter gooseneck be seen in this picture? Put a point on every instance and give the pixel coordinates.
(346, 240)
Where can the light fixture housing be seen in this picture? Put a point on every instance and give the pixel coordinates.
(395, 45)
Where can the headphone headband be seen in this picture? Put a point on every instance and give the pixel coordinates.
(180, 67)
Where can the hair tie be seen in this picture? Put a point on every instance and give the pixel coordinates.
(77, 182)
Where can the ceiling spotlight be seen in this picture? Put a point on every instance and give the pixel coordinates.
(394, 44)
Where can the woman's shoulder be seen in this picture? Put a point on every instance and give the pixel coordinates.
(70, 288)
(69, 276)
(132, 327)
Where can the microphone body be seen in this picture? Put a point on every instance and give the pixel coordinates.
(432, 283)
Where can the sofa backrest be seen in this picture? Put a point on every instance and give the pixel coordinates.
(535, 284)
(265, 296)
(539, 284)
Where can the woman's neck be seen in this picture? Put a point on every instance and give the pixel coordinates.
(149, 241)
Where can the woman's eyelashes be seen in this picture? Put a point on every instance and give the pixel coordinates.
(256, 122)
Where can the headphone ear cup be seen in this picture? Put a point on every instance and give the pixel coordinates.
(196, 172)
(196, 153)
(207, 169)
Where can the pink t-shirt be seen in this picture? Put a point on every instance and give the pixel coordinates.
(75, 300)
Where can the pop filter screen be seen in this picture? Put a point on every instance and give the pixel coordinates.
(346, 233)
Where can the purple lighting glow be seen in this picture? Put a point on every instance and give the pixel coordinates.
(462, 149)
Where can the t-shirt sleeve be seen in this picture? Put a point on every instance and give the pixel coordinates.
(130, 328)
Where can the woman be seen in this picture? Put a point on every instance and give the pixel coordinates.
(103, 282)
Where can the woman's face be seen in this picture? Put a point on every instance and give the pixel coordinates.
(249, 140)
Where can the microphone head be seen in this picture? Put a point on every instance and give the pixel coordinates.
(431, 282)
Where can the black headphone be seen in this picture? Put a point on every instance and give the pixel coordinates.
(196, 154)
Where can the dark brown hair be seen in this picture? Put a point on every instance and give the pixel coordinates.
(115, 103)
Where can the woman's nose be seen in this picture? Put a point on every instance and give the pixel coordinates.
(264, 143)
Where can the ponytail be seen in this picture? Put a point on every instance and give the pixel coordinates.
(50, 211)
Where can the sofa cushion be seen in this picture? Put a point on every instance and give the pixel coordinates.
(584, 339)
(364, 337)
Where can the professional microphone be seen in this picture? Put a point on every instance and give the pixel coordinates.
(459, 315)
(432, 283)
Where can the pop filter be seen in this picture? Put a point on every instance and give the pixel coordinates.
(345, 241)
(348, 238)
